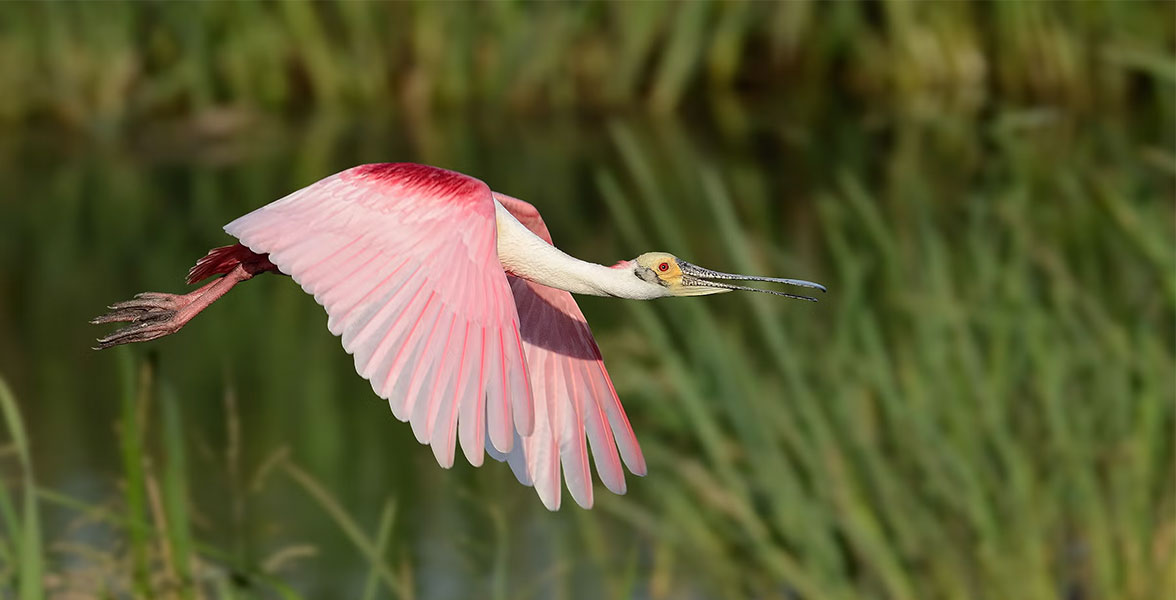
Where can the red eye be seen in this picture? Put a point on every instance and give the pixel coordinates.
(663, 267)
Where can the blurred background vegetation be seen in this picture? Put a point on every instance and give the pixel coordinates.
(983, 406)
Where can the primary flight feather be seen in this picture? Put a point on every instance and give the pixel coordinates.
(457, 308)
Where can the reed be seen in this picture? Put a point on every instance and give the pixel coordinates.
(982, 401)
(162, 556)
(948, 421)
(21, 543)
(981, 407)
(109, 66)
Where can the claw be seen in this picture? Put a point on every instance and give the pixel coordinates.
(149, 301)
(145, 329)
(152, 315)
(155, 296)
(132, 315)
(132, 312)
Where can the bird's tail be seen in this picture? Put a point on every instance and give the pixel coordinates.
(220, 261)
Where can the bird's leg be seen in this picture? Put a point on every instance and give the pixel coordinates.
(153, 315)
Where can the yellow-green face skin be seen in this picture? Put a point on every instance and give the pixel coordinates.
(667, 271)
(680, 278)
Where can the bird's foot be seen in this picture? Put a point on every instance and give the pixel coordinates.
(151, 315)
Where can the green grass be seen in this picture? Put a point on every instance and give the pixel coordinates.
(108, 67)
(21, 547)
(968, 411)
(982, 406)
(154, 519)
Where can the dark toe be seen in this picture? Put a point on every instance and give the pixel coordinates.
(155, 325)
(133, 314)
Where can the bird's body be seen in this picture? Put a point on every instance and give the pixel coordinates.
(457, 309)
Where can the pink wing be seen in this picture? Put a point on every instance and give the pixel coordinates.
(404, 259)
(573, 393)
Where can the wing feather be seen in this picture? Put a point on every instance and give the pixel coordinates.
(572, 450)
(471, 429)
(384, 328)
(498, 412)
(522, 404)
(600, 437)
(445, 428)
(538, 455)
(409, 343)
(369, 304)
(404, 260)
(575, 401)
(424, 414)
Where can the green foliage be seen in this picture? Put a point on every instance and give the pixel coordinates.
(982, 406)
(982, 400)
(969, 410)
(21, 545)
(155, 518)
(113, 64)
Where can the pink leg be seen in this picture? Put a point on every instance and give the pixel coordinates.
(153, 315)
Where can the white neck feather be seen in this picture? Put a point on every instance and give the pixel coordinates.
(526, 255)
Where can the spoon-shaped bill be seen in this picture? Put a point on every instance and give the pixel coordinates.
(701, 280)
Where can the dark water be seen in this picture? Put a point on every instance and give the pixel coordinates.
(85, 222)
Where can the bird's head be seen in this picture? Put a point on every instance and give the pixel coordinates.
(677, 277)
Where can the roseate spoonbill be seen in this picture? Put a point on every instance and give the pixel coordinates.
(458, 310)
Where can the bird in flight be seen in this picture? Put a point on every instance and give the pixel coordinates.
(458, 310)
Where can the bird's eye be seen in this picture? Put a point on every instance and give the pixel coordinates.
(663, 267)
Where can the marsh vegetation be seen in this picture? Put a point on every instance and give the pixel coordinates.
(982, 406)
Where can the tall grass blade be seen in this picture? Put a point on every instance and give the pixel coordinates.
(350, 528)
(123, 522)
(175, 492)
(27, 535)
(383, 536)
(136, 391)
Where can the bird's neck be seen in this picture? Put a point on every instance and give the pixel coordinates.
(526, 255)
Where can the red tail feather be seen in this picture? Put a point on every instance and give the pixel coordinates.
(220, 261)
